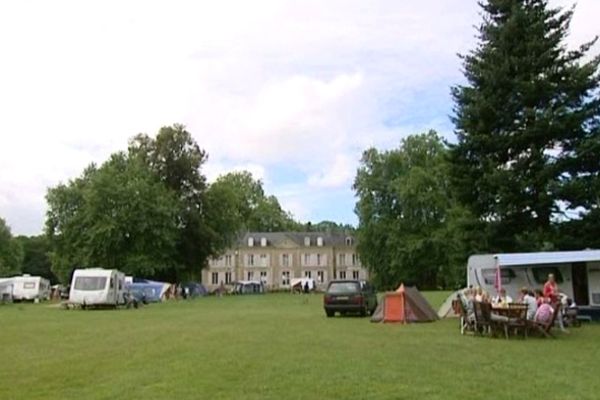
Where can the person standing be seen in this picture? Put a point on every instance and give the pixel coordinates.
(551, 289)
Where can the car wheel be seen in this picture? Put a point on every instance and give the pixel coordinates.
(329, 313)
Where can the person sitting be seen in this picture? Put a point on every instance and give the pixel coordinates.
(478, 296)
(539, 297)
(544, 313)
(502, 298)
(528, 298)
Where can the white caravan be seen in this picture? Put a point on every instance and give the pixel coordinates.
(97, 287)
(27, 287)
(576, 272)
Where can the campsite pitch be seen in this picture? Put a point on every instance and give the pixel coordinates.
(276, 346)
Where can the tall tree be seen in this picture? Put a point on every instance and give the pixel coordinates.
(11, 252)
(527, 123)
(177, 160)
(116, 216)
(36, 256)
(249, 206)
(403, 209)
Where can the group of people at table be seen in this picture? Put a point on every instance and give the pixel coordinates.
(539, 302)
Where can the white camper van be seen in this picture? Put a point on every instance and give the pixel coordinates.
(97, 287)
(576, 272)
(27, 287)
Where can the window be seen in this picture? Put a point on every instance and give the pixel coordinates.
(343, 287)
(227, 278)
(214, 279)
(318, 259)
(90, 283)
(354, 259)
(342, 259)
(307, 241)
(285, 278)
(306, 259)
(348, 241)
(250, 259)
(285, 260)
(342, 274)
(228, 259)
(489, 275)
(250, 242)
(263, 276)
(250, 275)
(263, 260)
(29, 285)
(320, 241)
(263, 242)
(320, 276)
(307, 274)
(355, 274)
(111, 284)
(540, 274)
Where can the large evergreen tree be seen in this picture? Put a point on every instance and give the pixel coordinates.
(527, 122)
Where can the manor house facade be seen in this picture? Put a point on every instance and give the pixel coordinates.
(275, 258)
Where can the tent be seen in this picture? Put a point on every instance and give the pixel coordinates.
(404, 305)
(446, 310)
(194, 289)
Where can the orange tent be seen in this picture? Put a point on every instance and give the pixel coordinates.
(404, 305)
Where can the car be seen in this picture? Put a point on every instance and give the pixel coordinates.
(349, 296)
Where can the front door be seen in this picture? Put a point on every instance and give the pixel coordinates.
(580, 284)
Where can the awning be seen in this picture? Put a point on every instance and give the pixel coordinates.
(547, 257)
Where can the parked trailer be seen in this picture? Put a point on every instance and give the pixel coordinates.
(577, 274)
(97, 287)
(28, 288)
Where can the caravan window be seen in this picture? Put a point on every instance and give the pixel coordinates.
(90, 283)
(29, 285)
(489, 275)
(540, 274)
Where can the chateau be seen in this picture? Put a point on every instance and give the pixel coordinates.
(277, 257)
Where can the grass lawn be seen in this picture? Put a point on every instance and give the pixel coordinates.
(277, 346)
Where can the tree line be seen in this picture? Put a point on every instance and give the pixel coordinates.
(523, 173)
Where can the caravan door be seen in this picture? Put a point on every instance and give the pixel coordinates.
(594, 283)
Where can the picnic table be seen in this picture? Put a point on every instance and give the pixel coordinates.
(516, 314)
(511, 310)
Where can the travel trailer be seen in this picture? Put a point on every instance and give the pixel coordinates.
(94, 287)
(28, 288)
(577, 274)
(6, 290)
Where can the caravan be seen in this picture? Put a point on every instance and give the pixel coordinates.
(97, 287)
(576, 272)
(29, 288)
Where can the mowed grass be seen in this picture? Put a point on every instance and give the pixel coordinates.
(277, 346)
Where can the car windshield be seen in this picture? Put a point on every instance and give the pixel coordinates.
(344, 287)
(90, 283)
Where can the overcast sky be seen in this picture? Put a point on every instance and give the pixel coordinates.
(292, 91)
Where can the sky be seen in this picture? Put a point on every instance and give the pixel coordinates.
(292, 91)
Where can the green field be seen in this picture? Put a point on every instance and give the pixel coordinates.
(277, 346)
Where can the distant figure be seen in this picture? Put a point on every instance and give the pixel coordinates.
(551, 289)
(502, 298)
(306, 287)
(528, 298)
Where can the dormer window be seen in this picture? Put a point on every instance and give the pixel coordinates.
(320, 241)
(263, 242)
(348, 241)
(307, 241)
(250, 242)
